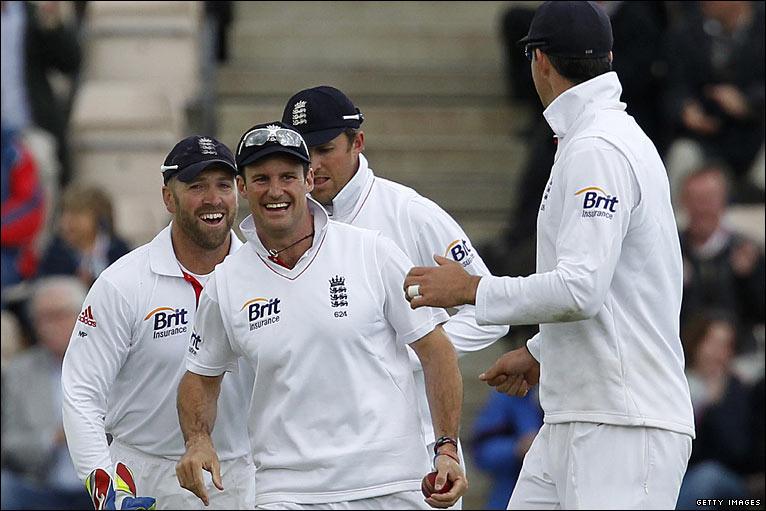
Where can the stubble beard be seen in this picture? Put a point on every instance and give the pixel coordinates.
(207, 239)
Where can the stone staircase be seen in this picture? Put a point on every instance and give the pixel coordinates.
(142, 63)
(427, 75)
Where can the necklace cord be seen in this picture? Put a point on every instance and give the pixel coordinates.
(275, 253)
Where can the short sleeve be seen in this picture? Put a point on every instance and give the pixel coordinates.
(210, 351)
(410, 325)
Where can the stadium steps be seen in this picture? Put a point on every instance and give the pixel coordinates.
(427, 75)
(142, 63)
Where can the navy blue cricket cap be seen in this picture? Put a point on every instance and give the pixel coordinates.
(570, 29)
(321, 113)
(194, 154)
(268, 138)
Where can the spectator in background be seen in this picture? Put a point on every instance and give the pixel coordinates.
(10, 336)
(715, 91)
(37, 471)
(722, 269)
(638, 29)
(502, 433)
(721, 412)
(35, 41)
(85, 242)
(22, 210)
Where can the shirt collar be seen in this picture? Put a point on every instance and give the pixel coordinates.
(345, 203)
(321, 219)
(597, 93)
(162, 257)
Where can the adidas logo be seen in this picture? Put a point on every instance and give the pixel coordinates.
(86, 317)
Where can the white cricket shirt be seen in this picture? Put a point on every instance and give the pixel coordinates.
(125, 360)
(420, 228)
(607, 291)
(333, 413)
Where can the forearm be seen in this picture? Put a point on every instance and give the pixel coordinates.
(551, 297)
(84, 408)
(197, 405)
(86, 437)
(444, 385)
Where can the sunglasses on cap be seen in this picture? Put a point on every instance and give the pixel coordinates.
(282, 136)
(529, 49)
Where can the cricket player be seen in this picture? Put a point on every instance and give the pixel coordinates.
(607, 293)
(315, 306)
(126, 355)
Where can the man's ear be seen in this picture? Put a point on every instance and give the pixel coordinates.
(358, 144)
(310, 180)
(241, 186)
(167, 198)
(543, 63)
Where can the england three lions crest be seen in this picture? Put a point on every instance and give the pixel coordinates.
(338, 295)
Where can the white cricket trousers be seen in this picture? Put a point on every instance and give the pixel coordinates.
(156, 477)
(583, 465)
(399, 500)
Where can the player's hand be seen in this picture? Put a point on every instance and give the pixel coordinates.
(200, 454)
(447, 469)
(125, 490)
(513, 373)
(446, 285)
(101, 488)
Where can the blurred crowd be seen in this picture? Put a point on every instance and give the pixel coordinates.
(57, 236)
(693, 77)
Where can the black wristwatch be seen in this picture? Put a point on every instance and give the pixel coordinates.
(442, 440)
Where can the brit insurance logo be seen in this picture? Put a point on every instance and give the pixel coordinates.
(597, 203)
(168, 321)
(460, 251)
(195, 343)
(262, 312)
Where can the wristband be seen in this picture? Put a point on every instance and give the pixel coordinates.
(443, 440)
(445, 453)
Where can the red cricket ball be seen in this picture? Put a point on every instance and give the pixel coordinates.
(428, 482)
